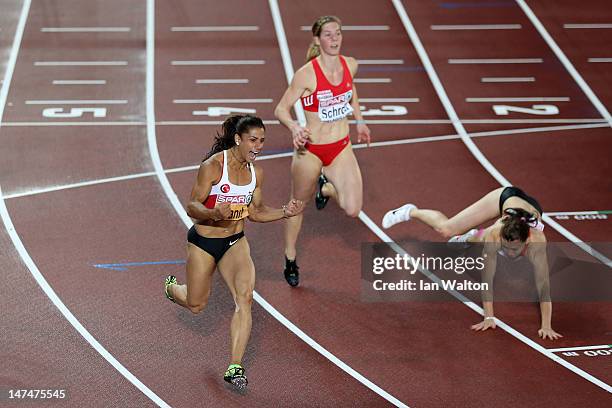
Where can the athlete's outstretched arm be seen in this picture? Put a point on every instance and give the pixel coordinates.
(363, 132)
(208, 174)
(488, 275)
(537, 255)
(282, 111)
(258, 212)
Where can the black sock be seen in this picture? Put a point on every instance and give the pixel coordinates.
(288, 262)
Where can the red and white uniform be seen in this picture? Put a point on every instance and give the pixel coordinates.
(239, 197)
(331, 102)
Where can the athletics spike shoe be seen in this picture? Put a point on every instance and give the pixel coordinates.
(170, 280)
(235, 376)
(464, 239)
(398, 215)
(291, 273)
(320, 199)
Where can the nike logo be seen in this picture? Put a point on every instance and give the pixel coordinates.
(233, 242)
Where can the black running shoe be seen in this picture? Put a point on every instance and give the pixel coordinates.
(291, 272)
(235, 376)
(320, 199)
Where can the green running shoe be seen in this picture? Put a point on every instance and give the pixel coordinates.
(170, 280)
(235, 376)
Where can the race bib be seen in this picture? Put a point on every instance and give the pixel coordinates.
(333, 108)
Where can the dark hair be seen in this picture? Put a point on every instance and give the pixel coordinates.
(235, 124)
(516, 224)
(313, 49)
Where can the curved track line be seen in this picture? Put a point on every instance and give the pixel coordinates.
(566, 62)
(23, 253)
(465, 137)
(498, 176)
(161, 175)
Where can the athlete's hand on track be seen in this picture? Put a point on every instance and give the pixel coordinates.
(484, 325)
(548, 333)
(294, 207)
(222, 211)
(363, 133)
(300, 136)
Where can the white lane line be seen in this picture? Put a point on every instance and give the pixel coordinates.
(380, 61)
(522, 99)
(600, 347)
(222, 81)
(203, 122)
(214, 29)
(79, 82)
(372, 80)
(495, 60)
(428, 139)
(554, 214)
(282, 41)
(452, 114)
(507, 79)
(416, 42)
(222, 101)
(599, 60)
(566, 62)
(355, 28)
(78, 102)
(595, 25)
(476, 27)
(85, 29)
(79, 63)
(409, 100)
(23, 252)
(218, 62)
(494, 121)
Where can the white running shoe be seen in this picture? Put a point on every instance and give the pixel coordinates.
(463, 238)
(398, 215)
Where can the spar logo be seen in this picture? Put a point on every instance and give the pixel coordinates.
(308, 100)
(225, 188)
(241, 199)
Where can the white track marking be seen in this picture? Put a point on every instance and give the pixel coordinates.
(599, 60)
(495, 61)
(222, 81)
(85, 29)
(203, 122)
(522, 99)
(507, 79)
(23, 253)
(289, 154)
(79, 82)
(412, 34)
(409, 100)
(78, 102)
(380, 61)
(355, 28)
(79, 63)
(566, 62)
(214, 28)
(218, 62)
(604, 25)
(554, 214)
(476, 27)
(92, 123)
(372, 80)
(557, 350)
(222, 101)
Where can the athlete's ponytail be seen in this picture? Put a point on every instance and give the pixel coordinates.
(516, 223)
(235, 124)
(313, 50)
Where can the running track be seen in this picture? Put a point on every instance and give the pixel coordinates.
(149, 352)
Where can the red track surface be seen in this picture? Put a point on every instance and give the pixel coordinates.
(421, 353)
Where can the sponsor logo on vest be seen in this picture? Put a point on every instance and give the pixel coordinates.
(242, 199)
(225, 188)
(308, 100)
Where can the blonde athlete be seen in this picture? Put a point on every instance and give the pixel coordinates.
(323, 158)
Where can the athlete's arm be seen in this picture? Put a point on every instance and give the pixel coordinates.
(363, 132)
(282, 111)
(208, 174)
(536, 253)
(489, 254)
(258, 212)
